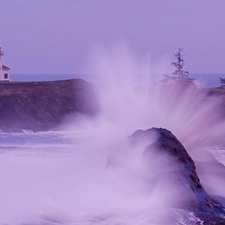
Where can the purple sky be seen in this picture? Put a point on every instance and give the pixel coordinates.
(54, 36)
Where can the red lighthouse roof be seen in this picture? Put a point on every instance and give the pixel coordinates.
(5, 68)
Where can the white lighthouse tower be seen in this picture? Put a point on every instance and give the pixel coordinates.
(4, 70)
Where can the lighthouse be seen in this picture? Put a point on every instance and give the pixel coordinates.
(4, 70)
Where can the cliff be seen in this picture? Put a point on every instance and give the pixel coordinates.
(42, 105)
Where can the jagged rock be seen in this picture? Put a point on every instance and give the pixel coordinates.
(42, 105)
(173, 173)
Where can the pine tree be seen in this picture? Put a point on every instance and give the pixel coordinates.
(180, 73)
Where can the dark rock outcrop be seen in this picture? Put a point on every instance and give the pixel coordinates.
(42, 105)
(174, 174)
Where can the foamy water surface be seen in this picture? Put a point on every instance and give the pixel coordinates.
(48, 178)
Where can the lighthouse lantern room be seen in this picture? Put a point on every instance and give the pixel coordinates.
(4, 70)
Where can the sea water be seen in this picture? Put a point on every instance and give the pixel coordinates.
(49, 178)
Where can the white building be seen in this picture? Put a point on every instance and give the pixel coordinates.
(4, 70)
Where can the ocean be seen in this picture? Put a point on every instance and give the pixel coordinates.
(50, 178)
(60, 176)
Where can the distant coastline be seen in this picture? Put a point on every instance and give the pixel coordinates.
(201, 79)
(207, 79)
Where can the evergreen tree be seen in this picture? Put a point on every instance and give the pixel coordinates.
(180, 73)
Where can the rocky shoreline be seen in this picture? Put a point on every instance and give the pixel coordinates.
(39, 106)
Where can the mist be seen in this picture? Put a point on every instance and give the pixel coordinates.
(98, 173)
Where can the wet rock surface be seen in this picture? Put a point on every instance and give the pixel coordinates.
(42, 105)
(175, 175)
